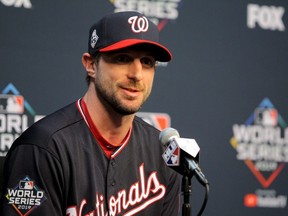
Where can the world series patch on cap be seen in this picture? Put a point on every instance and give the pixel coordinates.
(123, 29)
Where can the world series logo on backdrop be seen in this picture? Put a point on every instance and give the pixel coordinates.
(262, 144)
(16, 115)
(17, 3)
(158, 11)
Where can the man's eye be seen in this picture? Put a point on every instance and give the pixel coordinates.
(122, 59)
(148, 61)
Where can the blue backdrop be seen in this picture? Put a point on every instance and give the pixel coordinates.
(226, 86)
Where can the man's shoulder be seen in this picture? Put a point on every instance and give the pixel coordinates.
(42, 130)
(138, 121)
(145, 131)
(61, 118)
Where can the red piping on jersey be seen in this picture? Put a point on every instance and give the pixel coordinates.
(110, 150)
(78, 104)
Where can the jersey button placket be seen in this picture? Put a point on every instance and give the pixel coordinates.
(111, 174)
(113, 163)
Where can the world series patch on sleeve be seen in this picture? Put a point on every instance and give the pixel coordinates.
(25, 197)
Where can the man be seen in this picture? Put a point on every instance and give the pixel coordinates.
(95, 157)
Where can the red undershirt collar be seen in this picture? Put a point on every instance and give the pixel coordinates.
(107, 147)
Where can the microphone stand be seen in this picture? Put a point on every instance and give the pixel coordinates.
(187, 191)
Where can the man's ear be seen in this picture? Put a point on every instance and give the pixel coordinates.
(89, 64)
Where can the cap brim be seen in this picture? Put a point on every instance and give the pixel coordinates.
(161, 52)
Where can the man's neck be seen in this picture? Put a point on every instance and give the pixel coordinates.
(110, 124)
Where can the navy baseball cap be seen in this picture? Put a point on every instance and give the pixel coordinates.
(124, 29)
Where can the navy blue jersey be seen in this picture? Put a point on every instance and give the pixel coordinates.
(56, 167)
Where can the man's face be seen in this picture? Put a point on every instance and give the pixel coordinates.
(124, 79)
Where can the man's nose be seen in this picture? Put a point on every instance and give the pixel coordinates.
(135, 69)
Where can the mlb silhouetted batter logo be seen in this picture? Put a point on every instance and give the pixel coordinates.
(25, 197)
(171, 155)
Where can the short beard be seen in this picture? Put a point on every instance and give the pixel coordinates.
(110, 101)
(115, 105)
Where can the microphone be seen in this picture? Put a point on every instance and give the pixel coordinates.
(181, 154)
